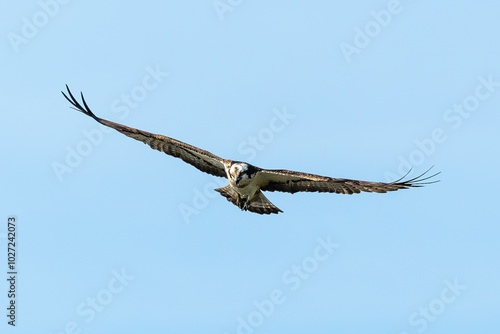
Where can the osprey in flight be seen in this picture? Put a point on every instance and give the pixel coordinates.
(246, 182)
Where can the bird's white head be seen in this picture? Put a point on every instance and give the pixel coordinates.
(241, 174)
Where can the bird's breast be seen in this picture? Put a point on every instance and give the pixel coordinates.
(245, 187)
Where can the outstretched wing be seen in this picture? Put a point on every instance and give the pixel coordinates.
(292, 182)
(201, 159)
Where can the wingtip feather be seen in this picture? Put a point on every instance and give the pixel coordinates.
(77, 106)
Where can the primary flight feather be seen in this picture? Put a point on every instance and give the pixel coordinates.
(246, 182)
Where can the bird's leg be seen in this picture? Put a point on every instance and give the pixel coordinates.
(242, 202)
(239, 201)
(248, 201)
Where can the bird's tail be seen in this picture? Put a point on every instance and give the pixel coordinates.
(258, 204)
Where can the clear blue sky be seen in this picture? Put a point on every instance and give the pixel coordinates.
(115, 237)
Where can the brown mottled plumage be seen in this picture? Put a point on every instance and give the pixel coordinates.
(246, 182)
